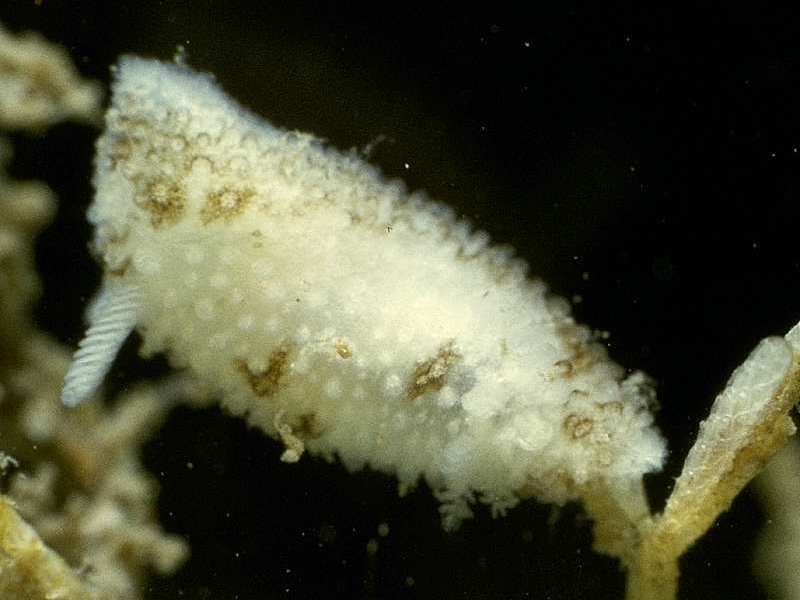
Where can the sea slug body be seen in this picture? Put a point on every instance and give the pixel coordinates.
(341, 314)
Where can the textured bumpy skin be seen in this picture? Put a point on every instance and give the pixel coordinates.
(345, 316)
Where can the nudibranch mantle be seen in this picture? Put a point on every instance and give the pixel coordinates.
(339, 313)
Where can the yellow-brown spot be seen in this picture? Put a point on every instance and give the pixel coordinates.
(266, 382)
(430, 375)
(539, 488)
(585, 353)
(565, 368)
(614, 407)
(578, 426)
(122, 269)
(225, 204)
(342, 349)
(164, 199)
(121, 150)
(309, 427)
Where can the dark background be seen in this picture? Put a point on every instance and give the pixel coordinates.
(644, 159)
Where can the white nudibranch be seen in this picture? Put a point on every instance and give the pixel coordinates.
(341, 314)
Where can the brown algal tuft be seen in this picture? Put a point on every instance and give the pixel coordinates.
(430, 375)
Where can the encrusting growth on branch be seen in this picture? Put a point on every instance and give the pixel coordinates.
(748, 424)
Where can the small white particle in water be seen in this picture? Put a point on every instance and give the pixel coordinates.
(372, 547)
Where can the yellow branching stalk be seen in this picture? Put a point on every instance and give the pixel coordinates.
(748, 424)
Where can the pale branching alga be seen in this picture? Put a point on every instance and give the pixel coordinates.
(347, 318)
(77, 511)
(41, 86)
